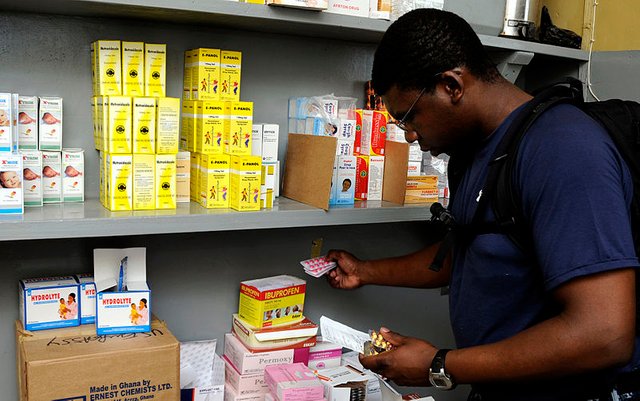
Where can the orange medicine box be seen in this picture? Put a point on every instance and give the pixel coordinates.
(272, 300)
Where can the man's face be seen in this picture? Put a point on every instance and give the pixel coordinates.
(432, 121)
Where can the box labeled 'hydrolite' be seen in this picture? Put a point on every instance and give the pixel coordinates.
(87, 297)
(48, 303)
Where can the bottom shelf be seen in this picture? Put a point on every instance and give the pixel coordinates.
(91, 219)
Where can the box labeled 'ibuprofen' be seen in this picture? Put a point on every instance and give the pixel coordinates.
(271, 300)
(49, 303)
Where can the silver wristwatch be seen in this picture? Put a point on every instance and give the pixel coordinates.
(437, 374)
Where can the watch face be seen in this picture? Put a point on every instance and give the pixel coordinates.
(441, 381)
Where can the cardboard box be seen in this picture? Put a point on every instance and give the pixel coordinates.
(422, 189)
(48, 303)
(87, 297)
(271, 300)
(123, 296)
(333, 380)
(105, 367)
(231, 395)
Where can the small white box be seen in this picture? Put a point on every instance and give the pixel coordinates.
(49, 303)
(256, 140)
(28, 123)
(32, 177)
(270, 140)
(345, 147)
(73, 175)
(50, 128)
(415, 153)
(334, 377)
(202, 371)
(347, 129)
(325, 355)
(51, 177)
(123, 296)
(87, 297)
(11, 187)
(344, 183)
(231, 395)
(414, 169)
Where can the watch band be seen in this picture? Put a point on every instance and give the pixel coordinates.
(437, 364)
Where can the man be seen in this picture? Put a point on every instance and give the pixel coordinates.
(557, 324)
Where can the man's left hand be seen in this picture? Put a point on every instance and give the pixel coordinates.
(407, 364)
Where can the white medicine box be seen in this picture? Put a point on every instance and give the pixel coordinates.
(87, 297)
(123, 298)
(49, 303)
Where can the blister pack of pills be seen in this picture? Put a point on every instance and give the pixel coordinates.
(377, 344)
(316, 267)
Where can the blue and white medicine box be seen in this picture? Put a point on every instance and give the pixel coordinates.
(49, 303)
(11, 185)
(123, 298)
(87, 298)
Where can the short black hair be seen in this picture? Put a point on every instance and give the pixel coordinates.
(423, 43)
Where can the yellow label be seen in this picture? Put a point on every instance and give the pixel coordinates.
(231, 62)
(267, 185)
(102, 187)
(143, 182)
(155, 69)
(133, 68)
(166, 181)
(186, 116)
(94, 118)
(119, 182)
(213, 189)
(168, 125)
(187, 72)
(238, 133)
(189, 110)
(103, 121)
(144, 125)
(119, 124)
(245, 183)
(210, 123)
(194, 190)
(94, 73)
(109, 69)
(205, 78)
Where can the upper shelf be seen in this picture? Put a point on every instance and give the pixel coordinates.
(255, 17)
(90, 219)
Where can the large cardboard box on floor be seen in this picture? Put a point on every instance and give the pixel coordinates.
(75, 364)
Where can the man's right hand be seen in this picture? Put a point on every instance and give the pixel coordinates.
(348, 273)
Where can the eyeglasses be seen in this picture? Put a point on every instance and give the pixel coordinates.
(402, 123)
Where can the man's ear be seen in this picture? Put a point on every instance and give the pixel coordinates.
(453, 84)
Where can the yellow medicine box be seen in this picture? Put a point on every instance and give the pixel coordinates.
(166, 181)
(144, 167)
(240, 126)
(155, 69)
(144, 125)
(194, 179)
(119, 124)
(108, 67)
(421, 189)
(119, 180)
(186, 77)
(245, 183)
(167, 125)
(231, 63)
(214, 184)
(272, 300)
(133, 68)
(210, 126)
(187, 130)
(205, 74)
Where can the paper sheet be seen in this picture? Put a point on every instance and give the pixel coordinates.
(342, 335)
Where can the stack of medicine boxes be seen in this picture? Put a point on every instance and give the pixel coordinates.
(136, 127)
(216, 129)
(270, 307)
